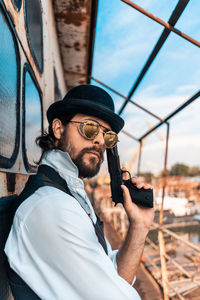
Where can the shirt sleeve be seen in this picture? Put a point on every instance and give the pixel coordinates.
(112, 254)
(57, 253)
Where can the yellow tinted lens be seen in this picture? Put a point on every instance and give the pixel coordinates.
(110, 139)
(90, 129)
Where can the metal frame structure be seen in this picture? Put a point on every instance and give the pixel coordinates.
(169, 27)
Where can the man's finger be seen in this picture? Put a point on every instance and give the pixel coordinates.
(134, 179)
(126, 195)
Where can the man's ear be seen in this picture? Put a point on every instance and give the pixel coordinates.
(57, 128)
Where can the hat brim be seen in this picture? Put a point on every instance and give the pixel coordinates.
(87, 107)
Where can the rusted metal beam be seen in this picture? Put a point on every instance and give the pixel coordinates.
(129, 135)
(139, 158)
(154, 246)
(196, 248)
(178, 266)
(190, 277)
(178, 225)
(168, 26)
(172, 21)
(127, 99)
(160, 233)
(176, 236)
(185, 104)
(164, 175)
(163, 265)
(177, 293)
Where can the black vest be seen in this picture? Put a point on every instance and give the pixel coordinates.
(46, 176)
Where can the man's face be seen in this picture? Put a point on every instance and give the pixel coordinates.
(86, 154)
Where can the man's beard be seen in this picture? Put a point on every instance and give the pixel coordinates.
(85, 170)
(91, 169)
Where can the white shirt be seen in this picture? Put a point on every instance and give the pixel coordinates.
(53, 247)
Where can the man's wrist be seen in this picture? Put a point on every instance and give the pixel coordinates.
(139, 228)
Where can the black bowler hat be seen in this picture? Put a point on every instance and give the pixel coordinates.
(90, 100)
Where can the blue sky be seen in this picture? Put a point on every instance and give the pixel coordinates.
(124, 40)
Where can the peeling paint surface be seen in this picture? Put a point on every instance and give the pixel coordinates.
(73, 21)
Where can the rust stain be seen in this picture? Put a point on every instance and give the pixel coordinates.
(71, 18)
(78, 68)
(77, 46)
(67, 46)
(77, 6)
(73, 11)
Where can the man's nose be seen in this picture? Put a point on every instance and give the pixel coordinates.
(99, 139)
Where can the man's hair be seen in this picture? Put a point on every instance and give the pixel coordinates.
(47, 140)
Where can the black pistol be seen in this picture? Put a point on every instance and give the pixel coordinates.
(142, 197)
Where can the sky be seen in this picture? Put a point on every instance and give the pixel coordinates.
(124, 40)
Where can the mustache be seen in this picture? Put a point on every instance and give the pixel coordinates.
(94, 148)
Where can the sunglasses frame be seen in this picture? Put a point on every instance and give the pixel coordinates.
(99, 130)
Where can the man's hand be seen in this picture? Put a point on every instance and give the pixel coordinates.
(128, 257)
(137, 215)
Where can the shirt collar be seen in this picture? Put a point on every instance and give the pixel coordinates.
(61, 162)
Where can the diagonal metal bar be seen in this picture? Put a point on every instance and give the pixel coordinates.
(122, 96)
(193, 98)
(161, 22)
(129, 135)
(172, 21)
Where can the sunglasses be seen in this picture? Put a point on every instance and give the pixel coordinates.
(90, 129)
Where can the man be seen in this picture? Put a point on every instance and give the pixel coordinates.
(54, 244)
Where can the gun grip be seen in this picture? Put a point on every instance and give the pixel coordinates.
(142, 197)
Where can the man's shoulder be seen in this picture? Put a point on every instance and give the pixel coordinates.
(46, 199)
(51, 210)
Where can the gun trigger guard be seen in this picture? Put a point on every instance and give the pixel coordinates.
(123, 171)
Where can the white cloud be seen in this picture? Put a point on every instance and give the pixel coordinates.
(187, 88)
(120, 40)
